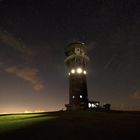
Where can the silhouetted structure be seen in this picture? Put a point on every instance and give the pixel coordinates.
(76, 61)
(106, 107)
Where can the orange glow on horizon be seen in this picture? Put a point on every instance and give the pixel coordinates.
(24, 112)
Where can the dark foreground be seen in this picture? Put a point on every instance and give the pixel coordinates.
(81, 125)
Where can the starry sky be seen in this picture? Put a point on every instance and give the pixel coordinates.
(34, 35)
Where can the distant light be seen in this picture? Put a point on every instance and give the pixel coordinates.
(84, 72)
(73, 71)
(69, 73)
(79, 70)
(27, 111)
(80, 96)
(73, 97)
(39, 111)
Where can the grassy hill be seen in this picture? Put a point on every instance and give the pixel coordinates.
(76, 125)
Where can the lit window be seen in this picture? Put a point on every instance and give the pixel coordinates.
(89, 105)
(84, 72)
(73, 97)
(81, 96)
(79, 70)
(72, 71)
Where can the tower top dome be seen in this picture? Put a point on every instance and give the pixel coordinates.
(71, 47)
(75, 44)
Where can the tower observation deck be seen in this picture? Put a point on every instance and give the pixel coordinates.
(76, 60)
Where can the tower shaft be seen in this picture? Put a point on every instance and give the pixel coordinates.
(78, 90)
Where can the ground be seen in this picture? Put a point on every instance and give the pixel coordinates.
(76, 125)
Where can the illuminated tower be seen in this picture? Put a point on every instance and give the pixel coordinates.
(76, 61)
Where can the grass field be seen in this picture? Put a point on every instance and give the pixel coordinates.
(13, 122)
(77, 125)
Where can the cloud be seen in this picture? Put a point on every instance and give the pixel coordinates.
(10, 40)
(135, 95)
(27, 74)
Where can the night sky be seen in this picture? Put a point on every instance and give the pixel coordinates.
(34, 35)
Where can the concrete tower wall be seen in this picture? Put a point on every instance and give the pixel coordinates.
(78, 89)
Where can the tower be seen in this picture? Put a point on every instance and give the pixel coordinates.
(76, 61)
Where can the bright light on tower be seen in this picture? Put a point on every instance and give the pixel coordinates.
(79, 70)
(85, 72)
(72, 71)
